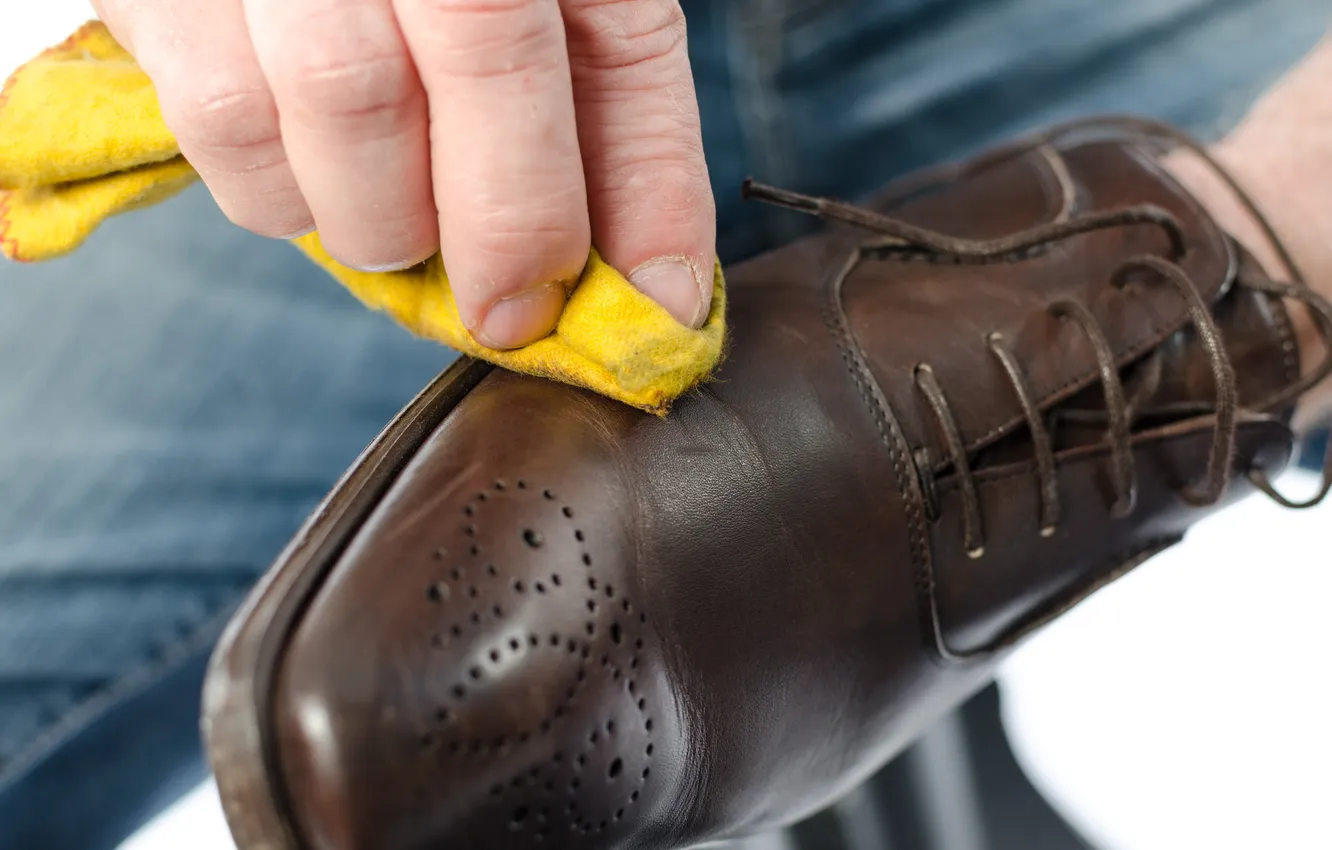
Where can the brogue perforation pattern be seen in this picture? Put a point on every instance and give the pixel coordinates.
(477, 594)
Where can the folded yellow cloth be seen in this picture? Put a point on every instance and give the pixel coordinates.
(82, 139)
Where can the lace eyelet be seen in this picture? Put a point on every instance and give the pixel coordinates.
(1124, 278)
(1048, 531)
(925, 477)
(973, 534)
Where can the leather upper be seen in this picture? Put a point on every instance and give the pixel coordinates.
(572, 624)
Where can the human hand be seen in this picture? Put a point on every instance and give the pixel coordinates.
(510, 135)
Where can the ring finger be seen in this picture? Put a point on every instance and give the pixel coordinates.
(354, 125)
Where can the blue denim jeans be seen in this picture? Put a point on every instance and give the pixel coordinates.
(178, 395)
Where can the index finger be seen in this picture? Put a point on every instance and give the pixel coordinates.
(506, 167)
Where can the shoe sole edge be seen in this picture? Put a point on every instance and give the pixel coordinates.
(236, 717)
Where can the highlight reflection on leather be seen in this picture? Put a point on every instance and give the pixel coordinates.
(535, 617)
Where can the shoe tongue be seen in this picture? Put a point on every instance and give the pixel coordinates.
(1175, 381)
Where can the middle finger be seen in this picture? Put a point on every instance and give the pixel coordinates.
(507, 170)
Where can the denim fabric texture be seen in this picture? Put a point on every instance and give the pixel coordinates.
(177, 396)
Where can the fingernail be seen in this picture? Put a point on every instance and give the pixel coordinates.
(389, 267)
(521, 319)
(297, 234)
(673, 283)
(396, 265)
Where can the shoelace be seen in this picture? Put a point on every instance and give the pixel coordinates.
(902, 238)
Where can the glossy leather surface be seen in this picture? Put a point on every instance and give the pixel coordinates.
(565, 623)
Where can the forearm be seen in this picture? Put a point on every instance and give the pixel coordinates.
(1281, 155)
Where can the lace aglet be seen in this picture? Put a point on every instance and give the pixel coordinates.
(824, 208)
(751, 189)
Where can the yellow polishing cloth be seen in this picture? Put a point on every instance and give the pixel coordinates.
(82, 139)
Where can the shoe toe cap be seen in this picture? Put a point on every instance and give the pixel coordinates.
(475, 672)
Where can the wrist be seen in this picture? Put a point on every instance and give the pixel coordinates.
(1299, 210)
(1281, 156)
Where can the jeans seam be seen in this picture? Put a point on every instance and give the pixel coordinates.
(755, 35)
(174, 653)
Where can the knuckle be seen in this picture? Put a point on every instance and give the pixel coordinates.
(277, 213)
(515, 252)
(665, 164)
(340, 89)
(489, 38)
(676, 189)
(481, 12)
(628, 34)
(227, 115)
(481, 7)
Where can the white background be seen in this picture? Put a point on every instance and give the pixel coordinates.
(1186, 706)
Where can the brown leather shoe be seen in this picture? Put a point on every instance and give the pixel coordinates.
(534, 617)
